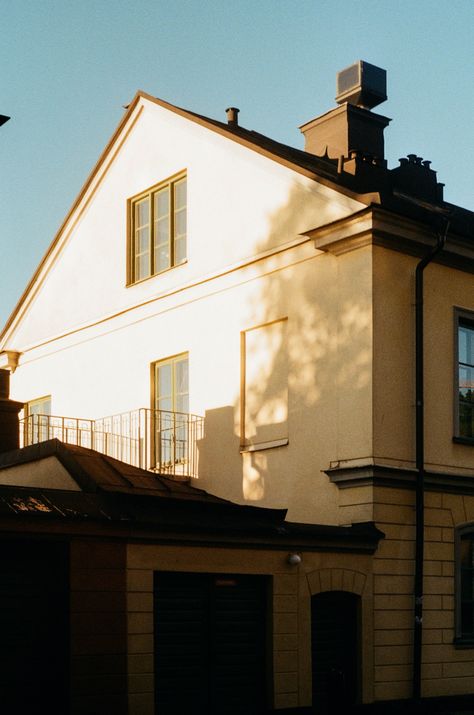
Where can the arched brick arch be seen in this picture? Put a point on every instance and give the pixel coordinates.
(334, 579)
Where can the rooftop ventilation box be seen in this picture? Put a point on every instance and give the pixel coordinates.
(362, 84)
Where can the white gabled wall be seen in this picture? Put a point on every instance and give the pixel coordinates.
(89, 341)
(239, 203)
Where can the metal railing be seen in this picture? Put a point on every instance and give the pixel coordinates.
(157, 440)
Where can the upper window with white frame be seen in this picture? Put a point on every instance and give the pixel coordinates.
(464, 399)
(157, 229)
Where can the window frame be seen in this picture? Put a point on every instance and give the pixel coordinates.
(154, 366)
(133, 201)
(460, 315)
(460, 639)
(37, 424)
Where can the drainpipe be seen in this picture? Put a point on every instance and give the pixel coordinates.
(420, 460)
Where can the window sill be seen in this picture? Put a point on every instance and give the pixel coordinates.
(464, 440)
(463, 643)
(155, 275)
(263, 445)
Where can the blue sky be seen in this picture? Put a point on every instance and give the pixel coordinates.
(68, 66)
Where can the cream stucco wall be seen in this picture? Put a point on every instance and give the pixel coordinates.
(289, 612)
(106, 369)
(394, 361)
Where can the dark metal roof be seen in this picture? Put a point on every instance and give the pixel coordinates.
(322, 165)
(94, 471)
(134, 502)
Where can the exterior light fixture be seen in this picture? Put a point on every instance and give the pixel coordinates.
(294, 559)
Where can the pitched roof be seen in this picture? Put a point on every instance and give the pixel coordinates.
(96, 472)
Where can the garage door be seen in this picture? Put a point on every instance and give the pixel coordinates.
(210, 643)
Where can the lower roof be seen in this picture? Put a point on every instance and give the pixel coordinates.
(127, 502)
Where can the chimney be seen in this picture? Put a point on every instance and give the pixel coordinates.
(351, 128)
(9, 409)
(232, 116)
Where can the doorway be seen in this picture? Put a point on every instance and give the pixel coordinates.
(335, 651)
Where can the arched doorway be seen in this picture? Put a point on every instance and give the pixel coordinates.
(335, 651)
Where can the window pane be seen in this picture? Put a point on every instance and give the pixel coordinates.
(142, 266)
(142, 240)
(162, 258)
(164, 381)
(180, 250)
(467, 619)
(182, 386)
(182, 376)
(142, 212)
(162, 230)
(180, 194)
(467, 586)
(466, 383)
(180, 224)
(466, 419)
(39, 407)
(162, 202)
(466, 344)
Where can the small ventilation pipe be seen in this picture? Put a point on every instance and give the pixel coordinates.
(420, 460)
(232, 116)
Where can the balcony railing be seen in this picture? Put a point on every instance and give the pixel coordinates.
(157, 440)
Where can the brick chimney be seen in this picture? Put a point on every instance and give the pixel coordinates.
(351, 128)
(9, 409)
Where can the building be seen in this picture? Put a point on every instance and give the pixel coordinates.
(232, 313)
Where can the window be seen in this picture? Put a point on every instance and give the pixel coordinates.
(157, 229)
(37, 413)
(170, 411)
(465, 586)
(464, 399)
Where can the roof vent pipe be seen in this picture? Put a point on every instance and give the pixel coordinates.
(232, 116)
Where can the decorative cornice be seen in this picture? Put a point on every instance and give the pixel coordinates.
(383, 476)
(377, 226)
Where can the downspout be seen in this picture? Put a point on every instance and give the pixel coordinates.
(420, 461)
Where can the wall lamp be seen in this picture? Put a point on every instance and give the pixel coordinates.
(294, 559)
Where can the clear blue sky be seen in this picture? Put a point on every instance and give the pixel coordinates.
(68, 66)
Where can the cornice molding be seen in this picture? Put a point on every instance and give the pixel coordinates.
(375, 226)
(395, 477)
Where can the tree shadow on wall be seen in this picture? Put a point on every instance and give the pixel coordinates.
(326, 301)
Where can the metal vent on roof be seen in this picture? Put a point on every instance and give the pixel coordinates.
(362, 84)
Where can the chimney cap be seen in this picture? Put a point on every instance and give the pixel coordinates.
(362, 84)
